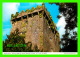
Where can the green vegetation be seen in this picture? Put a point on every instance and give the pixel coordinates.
(14, 39)
(17, 13)
(30, 25)
(38, 7)
(28, 11)
(50, 17)
(23, 24)
(22, 35)
(16, 43)
(32, 9)
(57, 34)
(51, 24)
(22, 11)
(69, 38)
(40, 15)
(14, 16)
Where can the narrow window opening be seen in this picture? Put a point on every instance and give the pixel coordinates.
(44, 14)
(40, 12)
(49, 22)
(36, 13)
(46, 17)
(25, 16)
(29, 15)
(18, 19)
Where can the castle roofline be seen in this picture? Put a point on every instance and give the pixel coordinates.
(28, 11)
(21, 16)
(24, 13)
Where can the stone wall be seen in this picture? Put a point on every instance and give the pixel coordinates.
(36, 29)
(51, 42)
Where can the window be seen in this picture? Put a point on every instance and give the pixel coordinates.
(40, 12)
(13, 20)
(36, 13)
(49, 22)
(44, 14)
(18, 19)
(29, 15)
(25, 16)
(46, 17)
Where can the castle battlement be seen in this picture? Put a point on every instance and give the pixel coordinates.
(38, 28)
(30, 13)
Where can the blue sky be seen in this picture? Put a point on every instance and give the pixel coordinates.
(12, 8)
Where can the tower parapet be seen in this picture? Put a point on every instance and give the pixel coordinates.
(38, 28)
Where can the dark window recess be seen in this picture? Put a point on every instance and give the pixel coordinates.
(18, 19)
(57, 36)
(40, 12)
(49, 22)
(29, 15)
(36, 13)
(55, 32)
(46, 17)
(44, 14)
(25, 16)
(13, 20)
(52, 30)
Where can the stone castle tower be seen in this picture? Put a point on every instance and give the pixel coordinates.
(38, 28)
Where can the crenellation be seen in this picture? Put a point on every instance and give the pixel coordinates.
(38, 28)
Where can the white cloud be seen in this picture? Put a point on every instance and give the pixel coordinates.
(8, 9)
(61, 25)
(61, 22)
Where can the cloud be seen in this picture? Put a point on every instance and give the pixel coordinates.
(61, 25)
(8, 9)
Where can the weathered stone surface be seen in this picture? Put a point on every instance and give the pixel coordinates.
(36, 29)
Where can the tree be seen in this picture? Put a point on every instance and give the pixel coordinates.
(17, 13)
(69, 39)
(12, 16)
(16, 43)
(32, 9)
